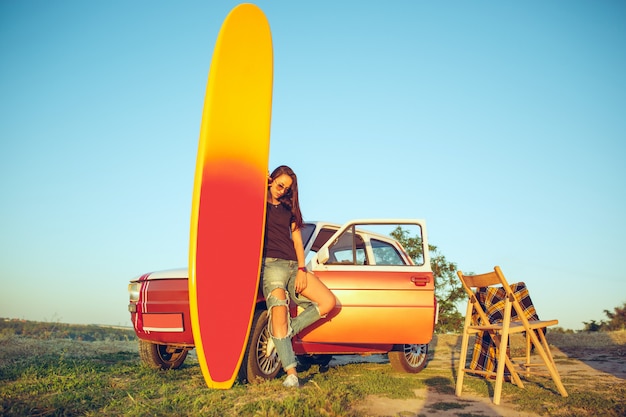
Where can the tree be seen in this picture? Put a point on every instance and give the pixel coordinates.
(448, 289)
(593, 326)
(617, 319)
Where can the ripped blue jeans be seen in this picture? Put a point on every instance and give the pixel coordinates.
(281, 273)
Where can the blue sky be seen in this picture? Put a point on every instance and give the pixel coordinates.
(500, 123)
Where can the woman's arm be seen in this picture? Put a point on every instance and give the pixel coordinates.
(301, 279)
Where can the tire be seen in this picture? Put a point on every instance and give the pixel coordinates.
(409, 358)
(260, 361)
(158, 356)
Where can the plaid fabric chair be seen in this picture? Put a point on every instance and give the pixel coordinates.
(496, 310)
(492, 300)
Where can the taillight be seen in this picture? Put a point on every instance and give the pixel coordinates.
(133, 291)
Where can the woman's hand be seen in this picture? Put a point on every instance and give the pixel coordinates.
(301, 281)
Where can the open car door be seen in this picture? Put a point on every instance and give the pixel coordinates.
(383, 295)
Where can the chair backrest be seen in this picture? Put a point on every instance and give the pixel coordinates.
(477, 281)
(517, 306)
(470, 284)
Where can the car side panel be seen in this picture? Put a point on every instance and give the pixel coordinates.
(377, 308)
(313, 348)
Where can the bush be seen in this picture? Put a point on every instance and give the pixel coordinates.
(49, 330)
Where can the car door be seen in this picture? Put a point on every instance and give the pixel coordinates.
(383, 296)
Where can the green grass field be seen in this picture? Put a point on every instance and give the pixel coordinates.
(96, 372)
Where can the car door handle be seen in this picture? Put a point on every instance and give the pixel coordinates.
(420, 281)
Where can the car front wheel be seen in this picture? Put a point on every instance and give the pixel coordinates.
(409, 358)
(260, 360)
(159, 356)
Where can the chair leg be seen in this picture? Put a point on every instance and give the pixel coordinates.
(546, 356)
(514, 375)
(502, 361)
(463, 357)
(462, 361)
(529, 346)
(508, 362)
(544, 343)
(502, 348)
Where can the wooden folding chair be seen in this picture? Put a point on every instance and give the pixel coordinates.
(477, 321)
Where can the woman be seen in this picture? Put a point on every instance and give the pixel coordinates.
(284, 270)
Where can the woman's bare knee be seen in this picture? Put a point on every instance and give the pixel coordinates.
(279, 321)
(279, 293)
(317, 292)
(327, 303)
(279, 315)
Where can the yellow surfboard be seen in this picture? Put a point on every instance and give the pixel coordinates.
(229, 194)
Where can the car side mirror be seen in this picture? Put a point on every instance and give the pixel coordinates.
(323, 255)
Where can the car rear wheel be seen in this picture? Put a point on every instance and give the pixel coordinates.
(159, 356)
(409, 358)
(260, 360)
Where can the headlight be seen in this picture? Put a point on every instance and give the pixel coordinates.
(133, 291)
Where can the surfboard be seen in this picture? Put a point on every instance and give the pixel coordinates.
(229, 194)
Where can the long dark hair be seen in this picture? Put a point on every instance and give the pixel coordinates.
(290, 198)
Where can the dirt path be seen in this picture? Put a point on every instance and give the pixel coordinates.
(582, 362)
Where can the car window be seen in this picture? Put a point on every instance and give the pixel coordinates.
(385, 253)
(407, 243)
(377, 244)
(348, 249)
(322, 237)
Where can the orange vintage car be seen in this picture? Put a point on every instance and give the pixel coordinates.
(385, 303)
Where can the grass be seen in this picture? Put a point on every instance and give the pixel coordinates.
(56, 381)
(67, 377)
(603, 395)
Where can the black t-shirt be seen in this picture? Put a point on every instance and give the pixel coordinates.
(278, 243)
